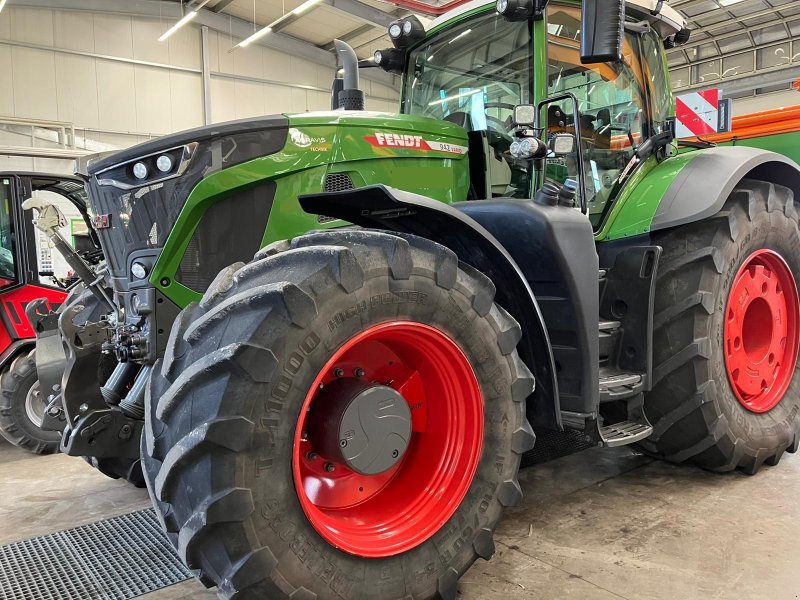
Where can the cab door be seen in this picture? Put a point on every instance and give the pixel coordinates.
(19, 276)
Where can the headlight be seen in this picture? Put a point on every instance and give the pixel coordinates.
(138, 270)
(140, 170)
(164, 163)
(406, 32)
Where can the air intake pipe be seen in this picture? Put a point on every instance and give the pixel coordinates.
(350, 97)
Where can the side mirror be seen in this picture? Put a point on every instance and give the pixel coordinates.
(524, 115)
(602, 30)
(562, 144)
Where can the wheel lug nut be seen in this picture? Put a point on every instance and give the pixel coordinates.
(395, 454)
(337, 372)
(311, 456)
(304, 435)
(359, 372)
(342, 443)
(330, 467)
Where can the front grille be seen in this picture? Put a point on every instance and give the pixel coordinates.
(338, 182)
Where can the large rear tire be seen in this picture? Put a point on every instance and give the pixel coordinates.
(727, 390)
(22, 407)
(252, 489)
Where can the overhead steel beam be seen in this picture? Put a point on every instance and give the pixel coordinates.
(743, 83)
(222, 5)
(362, 11)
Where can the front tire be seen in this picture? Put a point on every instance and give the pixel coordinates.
(727, 389)
(22, 407)
(236, 464)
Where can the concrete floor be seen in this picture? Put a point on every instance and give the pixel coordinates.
(598, 525)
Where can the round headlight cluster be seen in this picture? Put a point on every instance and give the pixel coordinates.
(518, 10)
(406, 32)
(390, 59)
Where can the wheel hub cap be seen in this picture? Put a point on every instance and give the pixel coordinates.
(761, 331)
(366, 427)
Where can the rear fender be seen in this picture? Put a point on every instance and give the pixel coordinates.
(379, 207)
(704, 184)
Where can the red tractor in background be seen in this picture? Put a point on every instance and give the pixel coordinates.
(25, 277)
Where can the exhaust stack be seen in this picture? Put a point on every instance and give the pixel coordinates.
(350, 97)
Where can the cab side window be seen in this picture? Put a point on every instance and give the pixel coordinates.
(612, 103)
(8, 269)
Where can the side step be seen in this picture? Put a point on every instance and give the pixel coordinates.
(616, 385)
(626, 432)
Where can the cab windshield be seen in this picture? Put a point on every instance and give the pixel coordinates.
(480, 69)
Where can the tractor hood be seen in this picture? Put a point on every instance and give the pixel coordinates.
(368, 134)
(156, 201)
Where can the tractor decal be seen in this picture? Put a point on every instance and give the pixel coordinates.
(412, 142)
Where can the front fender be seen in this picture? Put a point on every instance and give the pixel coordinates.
(379, 207)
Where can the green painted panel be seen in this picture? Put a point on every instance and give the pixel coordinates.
(636, 205)
(419, 155)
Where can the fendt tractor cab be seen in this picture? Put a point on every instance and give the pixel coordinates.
(332, 331)
(30, 270)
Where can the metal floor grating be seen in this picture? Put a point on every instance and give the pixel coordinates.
(115, 559)
(554, 444)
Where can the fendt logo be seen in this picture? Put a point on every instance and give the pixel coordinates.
(412, 142)
(395, 139)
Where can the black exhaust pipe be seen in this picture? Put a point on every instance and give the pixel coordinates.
(350, 96)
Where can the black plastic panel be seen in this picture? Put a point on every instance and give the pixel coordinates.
(230, 231)
(142, 217)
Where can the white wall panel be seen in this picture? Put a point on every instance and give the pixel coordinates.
(248, 62)
(6, 92)
(145, 41)
(303, 72)
(32, 25)
(113, 35)
(223, 99)
(153, 100)
(277, 65)
(73, 31)
(34, 83)
(185, 48)
(116, 97)
(250, 99)
(186, 91)
(76, 80)
(745, 106)
(278, 99)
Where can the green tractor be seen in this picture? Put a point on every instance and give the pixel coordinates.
(334, 331)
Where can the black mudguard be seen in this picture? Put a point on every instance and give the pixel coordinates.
(379, 207)
(702, 186)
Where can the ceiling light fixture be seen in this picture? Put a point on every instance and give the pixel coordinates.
(728, 2)
(183, 21)
(269, 28)
(2, 4)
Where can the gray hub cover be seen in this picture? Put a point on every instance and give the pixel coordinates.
(375, 430)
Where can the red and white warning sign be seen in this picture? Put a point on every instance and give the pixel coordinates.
(412, 142)
(701, 113)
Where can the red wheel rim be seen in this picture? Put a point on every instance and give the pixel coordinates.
(386, 514)
(761, 337)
